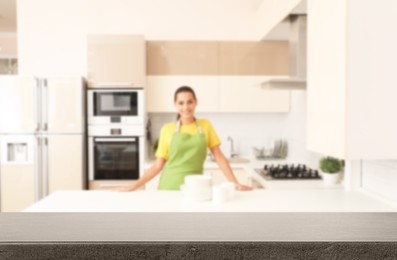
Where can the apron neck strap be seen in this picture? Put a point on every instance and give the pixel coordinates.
(178, 126)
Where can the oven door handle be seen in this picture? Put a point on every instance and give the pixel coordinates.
(112, 140)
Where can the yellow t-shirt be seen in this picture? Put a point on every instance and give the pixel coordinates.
(168, 130)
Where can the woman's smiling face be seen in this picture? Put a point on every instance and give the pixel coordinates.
(186, 105)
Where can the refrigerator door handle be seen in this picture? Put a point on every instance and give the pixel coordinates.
(37, 169)
(45, 168)
(44, 105)
(37, 101)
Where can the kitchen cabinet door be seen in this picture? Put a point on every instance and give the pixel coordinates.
(65, 165)
(161, 89)
(182, 58)
(253, 58)
(245, 94)
(351, 94)
(116, 61)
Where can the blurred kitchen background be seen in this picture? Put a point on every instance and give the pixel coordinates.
(346, 109)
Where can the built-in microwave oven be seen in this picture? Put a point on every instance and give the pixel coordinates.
(115, 106)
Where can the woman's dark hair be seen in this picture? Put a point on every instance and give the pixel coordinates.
(181, 90)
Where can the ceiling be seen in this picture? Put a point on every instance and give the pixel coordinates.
(8, 16)
(281, 31)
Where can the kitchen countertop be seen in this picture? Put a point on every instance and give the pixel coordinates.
(281, 235)
(327, 224)
(254, 163)
(311, 200)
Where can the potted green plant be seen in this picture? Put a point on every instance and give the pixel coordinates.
(330, 168)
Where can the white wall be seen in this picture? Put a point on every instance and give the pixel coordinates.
(249, 130)
(52, 34)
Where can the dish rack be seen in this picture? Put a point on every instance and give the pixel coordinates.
(277, 150)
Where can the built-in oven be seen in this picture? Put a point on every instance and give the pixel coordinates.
(115, 155)
(115, 106)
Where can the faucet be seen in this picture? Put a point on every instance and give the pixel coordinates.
(232, 152)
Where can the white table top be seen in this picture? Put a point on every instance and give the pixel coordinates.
(311, 200)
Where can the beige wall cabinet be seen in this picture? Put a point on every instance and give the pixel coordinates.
(182, 58)
(253, 58)
(245, 94)
(116, 61)
(161, 89)
(227, 76)
(350, 94)
(243, 66)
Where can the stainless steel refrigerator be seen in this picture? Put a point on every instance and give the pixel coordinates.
(42, 138)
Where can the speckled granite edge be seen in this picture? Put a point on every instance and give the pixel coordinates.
(200, 250)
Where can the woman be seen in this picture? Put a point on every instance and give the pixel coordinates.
(183, 147)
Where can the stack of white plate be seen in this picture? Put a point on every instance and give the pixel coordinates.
(197, 188)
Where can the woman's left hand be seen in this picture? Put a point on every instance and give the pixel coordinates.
(242, 187)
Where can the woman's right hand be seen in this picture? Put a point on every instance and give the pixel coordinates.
(241, 187)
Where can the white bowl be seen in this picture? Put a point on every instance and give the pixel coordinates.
(223, 192)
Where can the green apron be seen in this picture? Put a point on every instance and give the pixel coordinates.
(187, 155)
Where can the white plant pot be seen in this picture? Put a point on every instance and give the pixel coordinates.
(330, 179)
